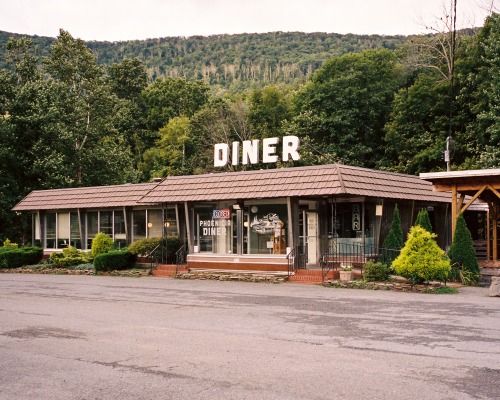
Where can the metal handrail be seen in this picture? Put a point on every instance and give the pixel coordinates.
(180, 258)
(296, 260)
(154, 260)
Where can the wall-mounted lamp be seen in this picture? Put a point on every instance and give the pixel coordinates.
(150, 224)
(167, 224)
(236, 207)
(379, 210)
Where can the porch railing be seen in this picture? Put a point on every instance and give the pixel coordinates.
(354, 255)
(296, 260)
(154, 256)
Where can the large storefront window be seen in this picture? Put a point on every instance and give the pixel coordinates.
(215, 228)
(351, 224)
(62, 230)
(265, 228)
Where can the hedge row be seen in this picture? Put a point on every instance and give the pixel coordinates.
(114, 260)
(17, 257)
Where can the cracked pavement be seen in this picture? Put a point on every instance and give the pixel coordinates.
(86, 337)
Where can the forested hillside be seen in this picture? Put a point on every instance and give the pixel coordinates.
(66, 119)
(228, 60)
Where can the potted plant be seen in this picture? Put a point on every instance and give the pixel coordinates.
(345, 272)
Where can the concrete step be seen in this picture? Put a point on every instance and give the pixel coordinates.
(167, 270)
(234, 275)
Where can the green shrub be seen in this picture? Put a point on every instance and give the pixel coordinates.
(144, 246)
(17, 257)
(394, 239)
(462, 254)
(101, 243)
(421, 259)
(69, 257)
(113, 260)
(376, 271)
(7, 244)
(423, 220)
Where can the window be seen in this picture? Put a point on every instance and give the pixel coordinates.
(75, 239)
(265, 228)
(50, 230)
(92, 226)
(155, 223)
(215, 228)
(139, 224)
(62, 230)
(119, 229)
(106, 222)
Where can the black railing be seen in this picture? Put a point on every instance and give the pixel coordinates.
(354, 255)
(154, 256)
(180, 258)
(296, 260)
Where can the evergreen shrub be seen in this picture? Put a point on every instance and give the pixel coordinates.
(114, 260)
(144, 246)
(69, 257)
(421, 259)
(423, 220)
(101, 243)
(17, 257)
(394, 240)
(376, 271)
(462, 254)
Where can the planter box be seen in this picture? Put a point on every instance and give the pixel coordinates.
(345, 276)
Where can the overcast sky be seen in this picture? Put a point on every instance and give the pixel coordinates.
(127, 19)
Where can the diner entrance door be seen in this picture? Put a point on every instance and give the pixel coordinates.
(309, 236)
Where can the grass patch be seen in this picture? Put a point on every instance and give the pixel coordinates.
(445, 290)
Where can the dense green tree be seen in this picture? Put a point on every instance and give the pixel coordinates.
(351, 95)
(462, 253)
(423, 220)
(172, 97)
(269, 108)
(128, 78)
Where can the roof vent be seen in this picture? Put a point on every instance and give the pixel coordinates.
(157, 179)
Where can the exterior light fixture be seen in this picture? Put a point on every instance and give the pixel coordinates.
(150, 224)
(254, 209)
(236, 207)
(379, 210)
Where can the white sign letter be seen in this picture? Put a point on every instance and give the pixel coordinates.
(290, 148)
(220, 154)
(235, 154)
(269, 150)
(250, 152)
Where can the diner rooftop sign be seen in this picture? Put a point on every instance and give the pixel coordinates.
(255, 151)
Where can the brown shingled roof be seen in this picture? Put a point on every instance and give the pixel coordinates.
(84, 197)
(320, 180)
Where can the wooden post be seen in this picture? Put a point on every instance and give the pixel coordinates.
(453, 210)
(290, 222)
(488, 238)
(495, 234)
(188, 228)
(80, 229)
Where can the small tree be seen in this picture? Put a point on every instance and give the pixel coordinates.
(462, 253)
(394, 240)
(101, 243)
(421, 259)
(423, 220)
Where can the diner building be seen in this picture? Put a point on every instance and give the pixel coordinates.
(247, 219)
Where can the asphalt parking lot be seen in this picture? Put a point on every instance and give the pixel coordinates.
(84, 337)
